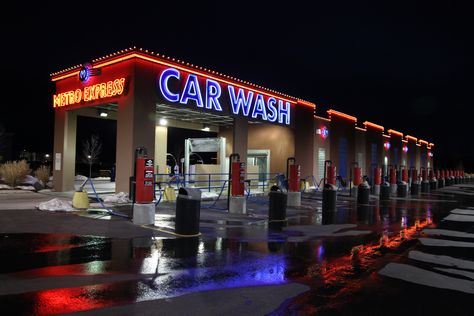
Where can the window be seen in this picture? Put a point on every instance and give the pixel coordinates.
(321, 159)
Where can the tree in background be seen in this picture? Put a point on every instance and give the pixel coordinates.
(91, 149)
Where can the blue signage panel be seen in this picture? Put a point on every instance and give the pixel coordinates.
(186, 89)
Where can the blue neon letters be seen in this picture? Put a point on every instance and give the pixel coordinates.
(213, 92)
(165, 75)
(241, 101)
(191, 91)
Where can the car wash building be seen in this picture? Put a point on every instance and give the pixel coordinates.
(148, 94)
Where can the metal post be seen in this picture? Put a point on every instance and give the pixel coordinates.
(230, 176)
(209, 183)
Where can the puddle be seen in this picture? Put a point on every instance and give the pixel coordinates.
(234, 255)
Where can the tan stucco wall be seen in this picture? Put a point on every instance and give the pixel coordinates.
(278, 139)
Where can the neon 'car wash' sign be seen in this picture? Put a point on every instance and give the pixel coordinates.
(210, 94)
(90, 93)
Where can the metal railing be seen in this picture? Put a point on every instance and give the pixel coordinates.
(213, 181)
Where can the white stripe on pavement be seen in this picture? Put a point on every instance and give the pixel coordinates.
(424, 277)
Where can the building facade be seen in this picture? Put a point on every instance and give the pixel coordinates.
(141, 90)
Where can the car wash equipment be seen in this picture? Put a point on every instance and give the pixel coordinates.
(236, 201)
(293, 173)
(143, 206)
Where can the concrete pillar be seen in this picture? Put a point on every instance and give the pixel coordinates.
(136, 122)
(304, 139)
(240, 137)
(64, 155)
(161, 140)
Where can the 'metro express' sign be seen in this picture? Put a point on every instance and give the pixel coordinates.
(177, 86)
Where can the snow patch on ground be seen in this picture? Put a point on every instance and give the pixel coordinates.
(120, 197)
(416, 275)
(462, 212)
(101, 179)
(5, 187)
(209, 195)
(445, 232)
(467, 274)
(441, 260)
(459, 218)
(323, 231)
(56, 205)
(25, 187)
(445, 243)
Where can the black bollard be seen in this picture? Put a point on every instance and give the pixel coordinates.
(402, 189)
(188, 208)
(363, 193)
(277, 204)
(385, 191)
(440, 183)
(425, 187)
(329, 197)
(415, 188)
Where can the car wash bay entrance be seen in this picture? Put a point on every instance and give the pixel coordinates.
(153, 94)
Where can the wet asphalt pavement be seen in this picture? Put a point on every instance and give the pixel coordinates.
(317, 263)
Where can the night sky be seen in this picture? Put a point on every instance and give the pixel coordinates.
(406, 67)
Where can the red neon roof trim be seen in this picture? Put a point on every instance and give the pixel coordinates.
(394, 132)
(171, 62)
(421, 141)
(340, 114)
(307, 103)
(380, 127)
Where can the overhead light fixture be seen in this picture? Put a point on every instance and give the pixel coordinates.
(205, 128)
(163, 122)
(103, 114)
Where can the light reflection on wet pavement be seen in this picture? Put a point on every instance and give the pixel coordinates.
(230, 253)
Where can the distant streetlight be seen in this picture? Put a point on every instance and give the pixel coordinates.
(89, 157)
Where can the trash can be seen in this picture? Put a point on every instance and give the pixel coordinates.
(188, 208)
(385, 191)
(80, 200)
(415, 188)
(425, 186)
(329, 197)
(277, 204)
(363, 193)
(402, 189)
(440, 183)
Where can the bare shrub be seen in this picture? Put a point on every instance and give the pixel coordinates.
(14, 172)
(42, 174)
